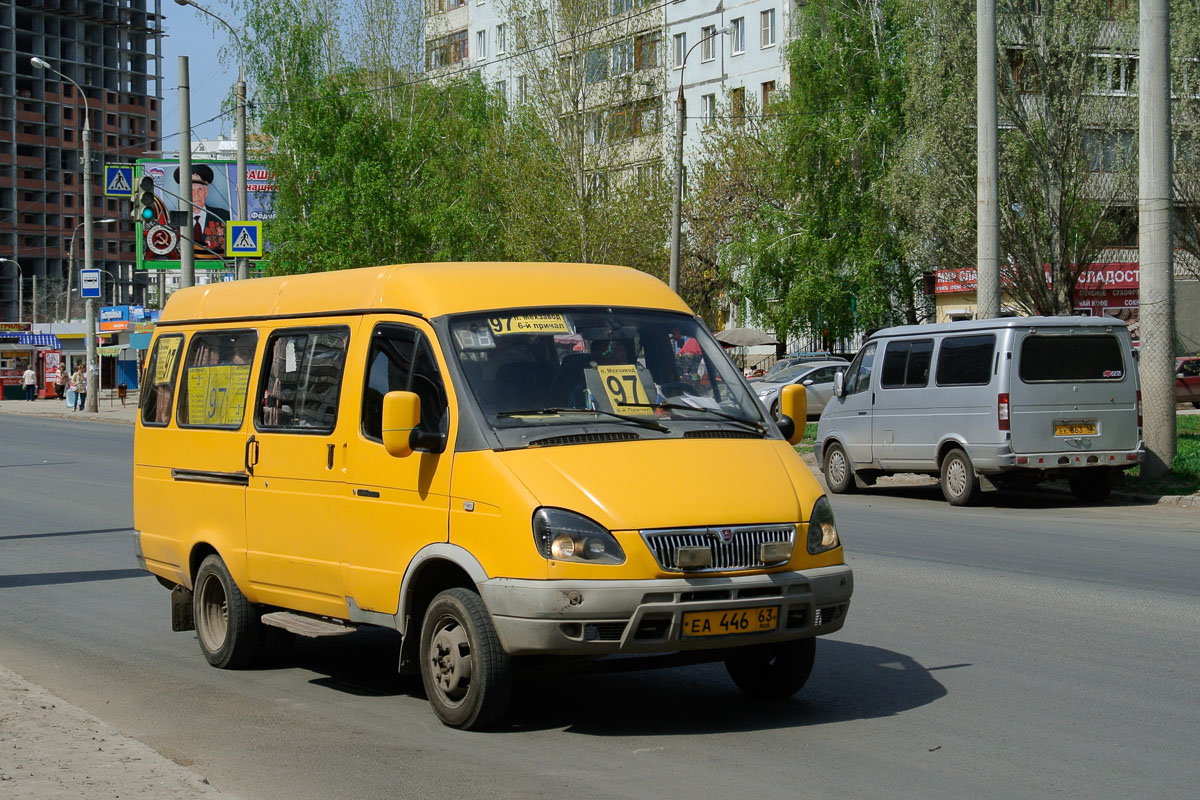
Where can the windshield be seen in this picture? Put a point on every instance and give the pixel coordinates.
(652, 372)
(791, 373)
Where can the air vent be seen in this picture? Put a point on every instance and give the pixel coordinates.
(584, 438)
(722, 434)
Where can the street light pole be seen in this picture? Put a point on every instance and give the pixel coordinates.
(677, 196)
(243, 264)
(71, 261)
(93, 402)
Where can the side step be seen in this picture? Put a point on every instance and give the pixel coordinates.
(306, 626)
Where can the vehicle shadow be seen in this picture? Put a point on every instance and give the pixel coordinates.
(849, 681)
(1045, 496)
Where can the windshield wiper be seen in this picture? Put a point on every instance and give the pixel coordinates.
(753, 423)
(645, 423)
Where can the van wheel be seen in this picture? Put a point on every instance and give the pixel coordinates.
(466, 673)
(773, 671)
(227, 624)
(1090, 485)
(960, 486)
(838, 473)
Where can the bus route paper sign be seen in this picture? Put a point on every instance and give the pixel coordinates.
(164, 365)
(217, 395)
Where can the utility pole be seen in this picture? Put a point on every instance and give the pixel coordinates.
(187, 246)
(1156, 295)
(987, 191)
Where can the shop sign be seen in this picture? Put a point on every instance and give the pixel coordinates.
(114, 318)
(16, 327)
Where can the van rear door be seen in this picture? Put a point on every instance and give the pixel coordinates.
(1073, 390)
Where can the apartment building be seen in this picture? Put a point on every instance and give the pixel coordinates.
(112, 49)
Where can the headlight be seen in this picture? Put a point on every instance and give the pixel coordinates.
(563, 535)
(822, 531)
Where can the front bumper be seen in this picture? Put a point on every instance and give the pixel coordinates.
(603, 617)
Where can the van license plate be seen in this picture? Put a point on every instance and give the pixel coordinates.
(1075, 430)
(726, 623)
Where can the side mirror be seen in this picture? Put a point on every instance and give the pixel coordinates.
(808, 382)
(401, 415)
(839, 385)
(793, 405)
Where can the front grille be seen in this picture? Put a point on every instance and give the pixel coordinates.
(737, 551)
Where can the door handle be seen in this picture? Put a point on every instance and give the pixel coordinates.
(863, 413)
(251, 447)
(366, 493)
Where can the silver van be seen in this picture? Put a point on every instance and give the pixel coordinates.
(985, 404)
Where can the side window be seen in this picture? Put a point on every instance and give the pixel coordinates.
(160, 379)
(858, 377)
(401, 360)
(216, 379)
(965, 360)
(302, 380)
(906, 364)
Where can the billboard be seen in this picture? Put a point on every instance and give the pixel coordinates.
(213, 204)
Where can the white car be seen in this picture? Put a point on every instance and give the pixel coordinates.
(815, 376)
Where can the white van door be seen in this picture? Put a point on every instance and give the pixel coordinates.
(850, 414)
(901, 420)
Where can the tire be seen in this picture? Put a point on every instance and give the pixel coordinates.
(773, 671)
(227, 624)
(1195, 405)
(1090, 485)
(838, 473)
(466, 673)
(775, 410)
(960, 486)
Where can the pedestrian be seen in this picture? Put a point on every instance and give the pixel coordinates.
(79, 385)
(61, 380)
(29, 380)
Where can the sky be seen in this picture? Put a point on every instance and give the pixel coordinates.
(193, 34)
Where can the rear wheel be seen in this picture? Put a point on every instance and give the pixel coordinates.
(775, 410)
(227, 624)
(1090, 485)
(466, 673)
(838, 473)
(960, 486)
(773, 671)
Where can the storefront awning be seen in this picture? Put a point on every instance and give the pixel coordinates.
(34, 339)
(112, 350)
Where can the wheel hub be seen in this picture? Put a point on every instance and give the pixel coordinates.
(956, 477)
(450, 654)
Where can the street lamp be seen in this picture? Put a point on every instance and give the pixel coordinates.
(676, 199)
(243, 266)
(71, 260)
(21, 290)
(93, 403)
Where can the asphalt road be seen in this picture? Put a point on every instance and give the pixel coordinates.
(1024, 648)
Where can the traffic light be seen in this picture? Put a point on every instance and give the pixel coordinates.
(143, 201)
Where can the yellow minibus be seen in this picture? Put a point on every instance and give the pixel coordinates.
(497, 460)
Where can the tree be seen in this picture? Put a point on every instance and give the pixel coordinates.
(1066, 81)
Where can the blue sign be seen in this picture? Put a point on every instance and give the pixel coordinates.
(118, 181)
(244, 239)
(114, 313)
(89, 283)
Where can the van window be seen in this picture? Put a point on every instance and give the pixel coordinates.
(216, 379)
(401, 361)
(1071, 358)
(302, 380)
(858, 377)
(160, 372)
(906, 364)
(966, 360)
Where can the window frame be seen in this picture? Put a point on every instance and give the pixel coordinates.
(941, 349)
(679, 49)
(908, 345)
(766, 23)
(1113, 341)
(737, 36)
(708, 46)
(264, 375)
(180, 393)
(180, 354)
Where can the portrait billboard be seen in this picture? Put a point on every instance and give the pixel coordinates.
(213, 205)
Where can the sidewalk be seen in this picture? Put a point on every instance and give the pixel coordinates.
(110, 408)
(51, 749)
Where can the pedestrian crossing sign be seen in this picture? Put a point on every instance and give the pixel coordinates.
(118, 180)
(244, 239)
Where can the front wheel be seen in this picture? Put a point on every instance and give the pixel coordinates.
(466, 673)
(228, 625)
(773, 671)
(838, 473)
(960, 486)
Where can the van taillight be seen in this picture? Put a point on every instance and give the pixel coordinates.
(1139, 402)
(1002, 410)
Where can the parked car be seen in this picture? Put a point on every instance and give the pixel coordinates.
(793, 360)
(816, 377)
(987, 403)
(1187, 380)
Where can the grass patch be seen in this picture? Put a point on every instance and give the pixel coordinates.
(810, 439)
(1184, 475)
